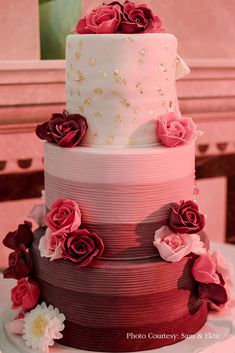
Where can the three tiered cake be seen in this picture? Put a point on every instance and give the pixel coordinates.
(121, 257)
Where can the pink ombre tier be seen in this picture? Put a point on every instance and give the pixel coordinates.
(109, 299)
(124, 193)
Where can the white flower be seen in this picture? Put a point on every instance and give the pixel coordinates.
(42, 326)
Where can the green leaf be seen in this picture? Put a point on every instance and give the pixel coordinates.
(42, 1)
(57, 19)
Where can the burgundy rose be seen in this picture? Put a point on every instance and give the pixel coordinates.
(102, 20)
(214, 293)
(81, 247)
(23, 235)
(186, 218)
(25, 295)
(139, 18)
(20, 264)
(65, 130)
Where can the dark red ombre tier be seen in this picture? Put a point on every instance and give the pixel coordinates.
(108, 303)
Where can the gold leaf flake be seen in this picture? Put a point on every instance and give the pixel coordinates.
(114, 93)
(143, 51)
(98, 90)
(130, 40)
(118, 120)
(103, 73)
(136, 111)
(118, 77)
(81, 109)
(162, 68)
(131, 141)
(151, 112)
(81, 77)
(88, 101)
(92, 61)
(77, 55)
(124, 102)
(139, 86)
(159, 91)
(109, 140)
(98, 115)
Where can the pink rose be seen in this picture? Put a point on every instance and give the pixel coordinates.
(81, 247)
(215, 280)
(65, 130)
(20, 264)
(50, 246)
(173, 130)
(204, 270)
(173, 247)
(139, 18)
(103, 19)
(186, 218)
(64, 217)
(23, 235)
(38, 214)
(25, 295)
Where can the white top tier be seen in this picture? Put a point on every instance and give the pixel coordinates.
(121, 84)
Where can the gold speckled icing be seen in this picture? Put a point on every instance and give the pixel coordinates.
(119, 75)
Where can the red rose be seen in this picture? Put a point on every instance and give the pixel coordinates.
(104, 19)
(81, 247)
(186, 218)
(20, 264)
(23, 235)
(25, 295)
(139, 18)
(64, 217)
(65, 130)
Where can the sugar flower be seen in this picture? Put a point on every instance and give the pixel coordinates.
(173, 247)
(38, 214)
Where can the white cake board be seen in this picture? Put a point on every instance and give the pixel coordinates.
(217, 336)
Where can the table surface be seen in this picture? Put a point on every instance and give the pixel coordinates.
(227, 250)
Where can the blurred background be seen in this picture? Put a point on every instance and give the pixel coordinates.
(32, 87)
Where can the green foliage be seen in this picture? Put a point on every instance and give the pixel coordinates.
(57, 19)
(42, 1)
